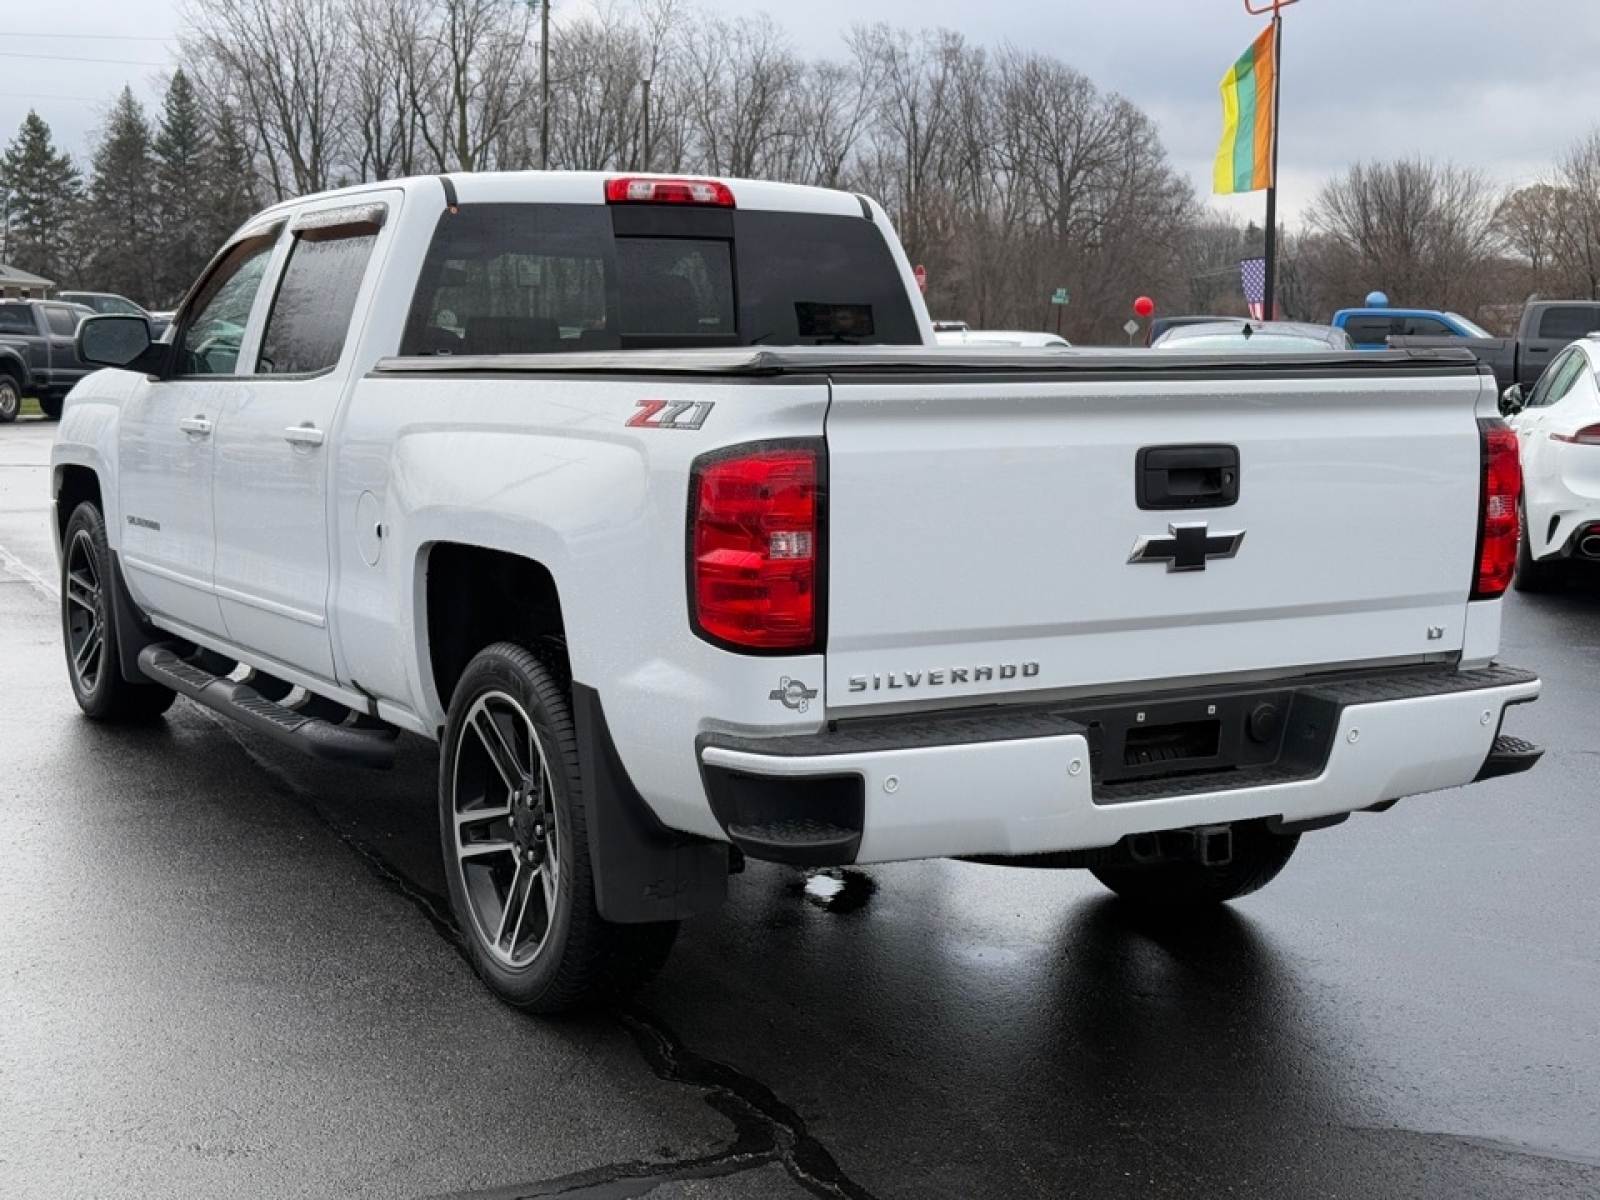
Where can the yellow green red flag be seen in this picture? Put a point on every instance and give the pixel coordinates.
(1244, 160)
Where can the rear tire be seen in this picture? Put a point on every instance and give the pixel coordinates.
(51, 406)
(10, 400)
(89, 629)
(1535, 575)
(513, 826)
(1258, 856)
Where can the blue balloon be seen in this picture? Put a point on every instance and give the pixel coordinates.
(1377, 300)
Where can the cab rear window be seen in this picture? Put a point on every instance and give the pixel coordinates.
(543, 278)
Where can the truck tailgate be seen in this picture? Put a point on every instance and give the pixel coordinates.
(981, 529)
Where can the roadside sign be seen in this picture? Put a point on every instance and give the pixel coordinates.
(921, 272)
(1060, 296)
(1131, 328)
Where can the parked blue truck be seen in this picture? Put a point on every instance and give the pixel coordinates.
(1371, 328)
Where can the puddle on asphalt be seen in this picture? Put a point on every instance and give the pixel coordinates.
(838, 890)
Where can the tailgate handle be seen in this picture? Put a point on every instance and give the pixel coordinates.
(1187, 476)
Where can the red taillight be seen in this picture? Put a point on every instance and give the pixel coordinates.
(628, 189)
(1497, 508)
(1589, 435)
(755, 533)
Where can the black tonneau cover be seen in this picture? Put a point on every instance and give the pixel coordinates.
(934, 361)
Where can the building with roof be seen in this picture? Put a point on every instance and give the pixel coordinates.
(17, 284)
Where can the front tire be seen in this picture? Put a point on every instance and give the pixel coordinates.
(1258, 856)
(51, 406)
(513, 824)
(10, 400)
(89, 628)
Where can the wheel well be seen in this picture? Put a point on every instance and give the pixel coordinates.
(478, 596)
(76, 484)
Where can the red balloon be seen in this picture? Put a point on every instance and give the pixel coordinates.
(1144, 306)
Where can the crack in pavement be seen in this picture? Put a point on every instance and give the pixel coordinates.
(766, 1130)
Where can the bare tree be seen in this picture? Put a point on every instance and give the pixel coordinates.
(834, 104)
(742, 78)
(393, 67)
(597, 100)
(480, 81)
(1577, 217)
(282, 61)
(1422, 231)
(1527, 223)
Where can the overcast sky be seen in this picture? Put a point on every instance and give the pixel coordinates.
(1482, 83)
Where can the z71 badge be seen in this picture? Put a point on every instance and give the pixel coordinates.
(662, 414)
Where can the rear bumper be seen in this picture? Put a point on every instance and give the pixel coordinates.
(1032, 782)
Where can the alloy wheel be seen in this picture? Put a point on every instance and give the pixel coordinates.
(508, 841)
(86, 622)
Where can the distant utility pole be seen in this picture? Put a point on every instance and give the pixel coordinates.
(646, 83)
(544, 80)
(544, 86)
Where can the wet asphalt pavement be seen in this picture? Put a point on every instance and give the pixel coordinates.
(226, 971)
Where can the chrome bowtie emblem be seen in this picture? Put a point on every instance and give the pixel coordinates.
(1188, 548)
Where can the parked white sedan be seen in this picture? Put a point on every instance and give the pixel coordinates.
(1558, 431)
(999, 337)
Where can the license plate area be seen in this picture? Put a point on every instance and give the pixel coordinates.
(1162, 738)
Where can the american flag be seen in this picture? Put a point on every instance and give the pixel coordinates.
(1253, 277)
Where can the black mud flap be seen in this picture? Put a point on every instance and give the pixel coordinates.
(643, 871)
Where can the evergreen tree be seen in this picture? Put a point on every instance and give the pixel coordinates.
(42, 190)
(182, 148)
(231, 190)
(119, 227)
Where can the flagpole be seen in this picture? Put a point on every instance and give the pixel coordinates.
(1269, 308)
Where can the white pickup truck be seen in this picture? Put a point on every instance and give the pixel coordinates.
(652, 501)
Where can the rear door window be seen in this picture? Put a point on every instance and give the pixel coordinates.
(1568, 323)
(1369, 331)
(63, 321)
(311, 314)
(1425, 327)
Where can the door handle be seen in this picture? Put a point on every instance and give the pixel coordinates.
(196, 426)
(303, 435)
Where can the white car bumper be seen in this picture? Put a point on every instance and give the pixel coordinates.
(1026, 783)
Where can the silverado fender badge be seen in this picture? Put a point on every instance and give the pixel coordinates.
(1188, 548)
(681, 414)
(793, 693)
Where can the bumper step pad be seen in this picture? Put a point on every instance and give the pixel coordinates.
(1509, 756)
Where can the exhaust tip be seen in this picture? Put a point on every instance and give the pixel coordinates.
(1589, 544)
